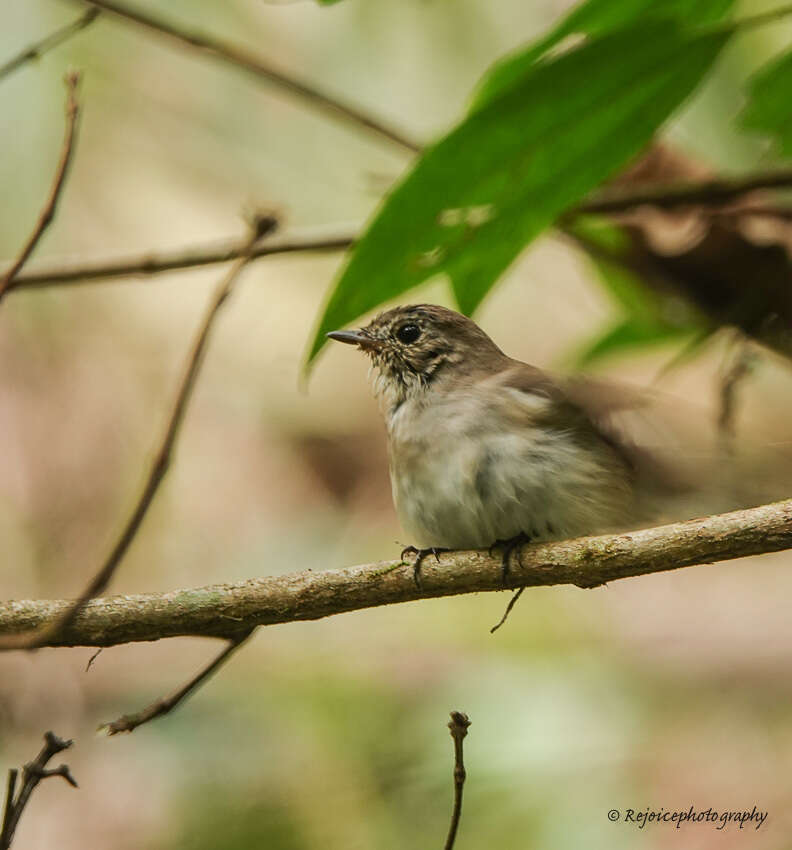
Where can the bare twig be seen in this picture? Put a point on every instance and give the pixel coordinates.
(32, 774)
(226, 610)
(241, 58)
(458, 725)
(162, 458)
(130, 722)
(512, 602)
(39, 48)
(201, 255)
(47, 214)
(711, 193)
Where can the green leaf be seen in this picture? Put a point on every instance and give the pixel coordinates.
(647, 318)
(593, 18)
(475, 199)
(650, 317)
(769, 108)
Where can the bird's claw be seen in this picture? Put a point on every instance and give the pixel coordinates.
(507, 547)
(420, 554)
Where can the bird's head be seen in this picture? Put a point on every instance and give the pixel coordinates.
(416, 347)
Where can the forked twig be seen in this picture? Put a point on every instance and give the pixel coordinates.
(159, 466)
(130, 722)
(458, 725)
(32, 773)
(72, 80)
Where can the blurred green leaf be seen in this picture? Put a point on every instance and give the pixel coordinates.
(596, 17)
(475, 199)
(769, 109)
(649, 317)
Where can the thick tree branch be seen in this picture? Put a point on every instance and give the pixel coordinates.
(186, 258)
(72, 80)
(239, 57)
(39, 48)
(228, 610)
(46, 633)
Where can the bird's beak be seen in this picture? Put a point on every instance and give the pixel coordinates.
(349, 337)
(366, 342)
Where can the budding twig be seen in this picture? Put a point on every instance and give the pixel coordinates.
(458, 726)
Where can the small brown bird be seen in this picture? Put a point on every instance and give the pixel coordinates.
(485, 449)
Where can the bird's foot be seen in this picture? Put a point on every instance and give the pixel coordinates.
(507, 547)
(420, 554)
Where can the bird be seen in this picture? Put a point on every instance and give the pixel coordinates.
(486, 451)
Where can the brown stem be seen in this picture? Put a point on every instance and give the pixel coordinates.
(711, 193)
(225, 610)
(130, 722)
(241, 58)
(39, 48)
(201, 255)
(458, 725)
(45, 633)
(72, 80)
(32, 774)
(701, 193)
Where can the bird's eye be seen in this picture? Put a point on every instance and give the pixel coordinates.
(408, 333)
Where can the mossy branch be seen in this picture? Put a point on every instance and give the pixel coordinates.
(229, 610)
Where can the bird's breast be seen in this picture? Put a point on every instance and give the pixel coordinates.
(464, 475)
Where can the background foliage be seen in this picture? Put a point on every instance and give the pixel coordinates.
(665, 691)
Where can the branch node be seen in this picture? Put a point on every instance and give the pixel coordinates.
(32, 773)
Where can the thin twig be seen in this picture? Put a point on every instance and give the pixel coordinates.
(186, 258)
(72, 80)
(458, 725)
(130, 722)
(512, 602)
(710, 193)
(241, 58)
(225, 610)
(162, 458)
(39, 48)
(700, 193)
(32, 774)
(8, 809)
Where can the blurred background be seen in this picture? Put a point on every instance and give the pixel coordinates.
(664, 691)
